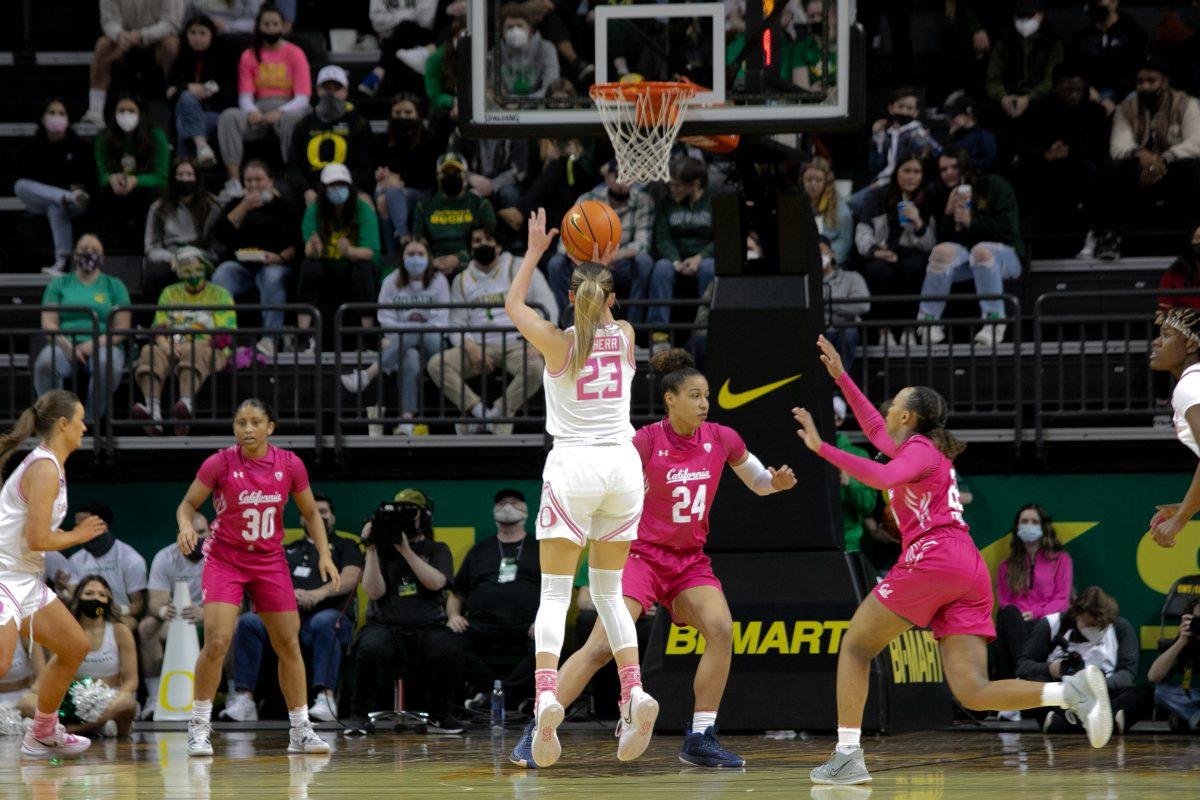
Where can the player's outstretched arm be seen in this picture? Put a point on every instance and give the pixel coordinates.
(541, 333)
(763, 480)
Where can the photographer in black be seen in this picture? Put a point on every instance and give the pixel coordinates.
(406, 576)
(1090, 633)
(1176, 674)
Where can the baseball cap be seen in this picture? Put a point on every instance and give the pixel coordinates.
(332, 73)
(1156, 64)
(504, 494)
(452, 160)
(414, 496)
(335, 173)
(192, 255)
(958, 103)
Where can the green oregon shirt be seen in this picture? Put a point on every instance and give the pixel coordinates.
(101, 295)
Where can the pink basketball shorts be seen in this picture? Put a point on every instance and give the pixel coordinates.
(228, 575)
(943, 584)
(657, 575)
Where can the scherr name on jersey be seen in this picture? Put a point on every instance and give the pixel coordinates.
(684, 475)
(259, 498)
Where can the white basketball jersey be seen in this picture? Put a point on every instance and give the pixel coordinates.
(15, 555)
(1186, 395)
(593, 406)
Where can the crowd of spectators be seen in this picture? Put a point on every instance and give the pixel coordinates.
(1092, 130)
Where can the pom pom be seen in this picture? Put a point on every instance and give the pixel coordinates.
(90, 698)
(11, 723)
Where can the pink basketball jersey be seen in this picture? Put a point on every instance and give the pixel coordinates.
(682, 475)
(249, 495)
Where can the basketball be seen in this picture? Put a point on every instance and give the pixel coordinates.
(588, 223)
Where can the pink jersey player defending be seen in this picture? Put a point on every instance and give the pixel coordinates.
(250, 484)
(682, 458)
(941, 581)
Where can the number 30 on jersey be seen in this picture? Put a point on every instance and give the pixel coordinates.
(259, 524)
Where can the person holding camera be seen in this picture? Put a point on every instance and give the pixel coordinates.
(406, 575)
(1090, 633)
(1174, 675)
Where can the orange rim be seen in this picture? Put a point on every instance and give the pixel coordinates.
(632, 91)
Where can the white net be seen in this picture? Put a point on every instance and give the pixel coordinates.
(642, 121)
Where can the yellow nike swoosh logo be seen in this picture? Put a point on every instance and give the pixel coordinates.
(730, 400)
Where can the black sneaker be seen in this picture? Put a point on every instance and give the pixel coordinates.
(359, 726)
(1109, 247)
(446, 726)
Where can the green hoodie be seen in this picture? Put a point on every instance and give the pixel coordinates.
(858, 499)
(681, 230)
(446, 223)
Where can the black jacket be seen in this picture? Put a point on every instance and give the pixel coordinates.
(316, 143)
(217, 63)
(1084, 129)
(1110, 59)
(66, 163)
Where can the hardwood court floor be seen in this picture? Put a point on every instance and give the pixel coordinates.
(252, 765)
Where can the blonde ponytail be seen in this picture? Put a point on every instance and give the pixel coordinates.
(591, 284)
(39, 419)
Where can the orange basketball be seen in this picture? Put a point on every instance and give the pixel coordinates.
(589, 223)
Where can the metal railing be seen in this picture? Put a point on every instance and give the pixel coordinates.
(287, 381)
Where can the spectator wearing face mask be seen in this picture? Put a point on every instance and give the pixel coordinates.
(56, 176)
(341, 246)
(202, 84)
(183, 217)
(417, 287)
(1023, 60)
(858, 499)
(1089, 633)
(1108, 49)
(71, 346)
(259, 233)
(326, 620)
(274, 86)
(494, 603)
(133, 160)
(900, 132)
(122, 567)
(193, 357)
(334, 133)
(168, 568)
(130, 26)
(851, 289)
(1155, 145)
(1033, 581)
(445, 218)
(966, 133)
(409, 170)
(1175, 673)
(528, 63)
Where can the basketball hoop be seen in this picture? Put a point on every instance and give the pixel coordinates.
(642, 120)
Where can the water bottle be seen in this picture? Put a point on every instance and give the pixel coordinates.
(497, 705)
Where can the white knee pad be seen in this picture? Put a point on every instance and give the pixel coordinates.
(605, 586)
(551, 622)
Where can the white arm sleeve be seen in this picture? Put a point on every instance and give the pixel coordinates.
(755, 475)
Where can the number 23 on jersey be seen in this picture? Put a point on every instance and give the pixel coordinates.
(600, 379)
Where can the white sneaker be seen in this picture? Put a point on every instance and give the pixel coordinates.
(110, 729)
(935, 334)
(546, 747)
(241, 708)
(469, 429)
(61, 744)
(305, 740)
(1008, 716)
(1089, 246)
(57, 269)
(498, 428)
(148, 709)
(414, 58)
(233, 188)
(199, 739)
(908, 339)
(205, 157)
(324, 708)
(266, 346)
(403, 429)
(93, 118)
(356, 380)
(991, 334)
(1086, 693)
(636, 725)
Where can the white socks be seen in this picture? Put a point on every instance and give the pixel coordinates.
(202, 712)
(298, 717)
(96, 98)
(849, 739)
(703, 720)
(551, 622)
(605, 586)
(1053, 695)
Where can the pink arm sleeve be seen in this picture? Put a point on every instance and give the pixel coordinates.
(641, 442)
(910, 463)
(868, 417)
(210, 470)
(731, 440)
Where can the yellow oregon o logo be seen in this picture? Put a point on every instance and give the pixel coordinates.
(314, 150)
(165, 686)
(1159, 567)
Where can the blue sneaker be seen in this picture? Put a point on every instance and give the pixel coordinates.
(704, 750)
(522, 754)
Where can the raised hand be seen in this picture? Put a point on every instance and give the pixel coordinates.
(782, 479)
(830, 358)
(808, 429)
(540, 238)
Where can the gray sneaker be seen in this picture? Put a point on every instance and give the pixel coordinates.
(842, 769)
(1086, 694)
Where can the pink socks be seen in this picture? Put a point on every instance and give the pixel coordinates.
(545, 680)
(631, 677)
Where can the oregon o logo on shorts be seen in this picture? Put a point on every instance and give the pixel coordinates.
(547, 518)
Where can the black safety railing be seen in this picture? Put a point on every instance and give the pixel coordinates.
(1092, 358)
(37, 356)
(210, 370)
(975, 363)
